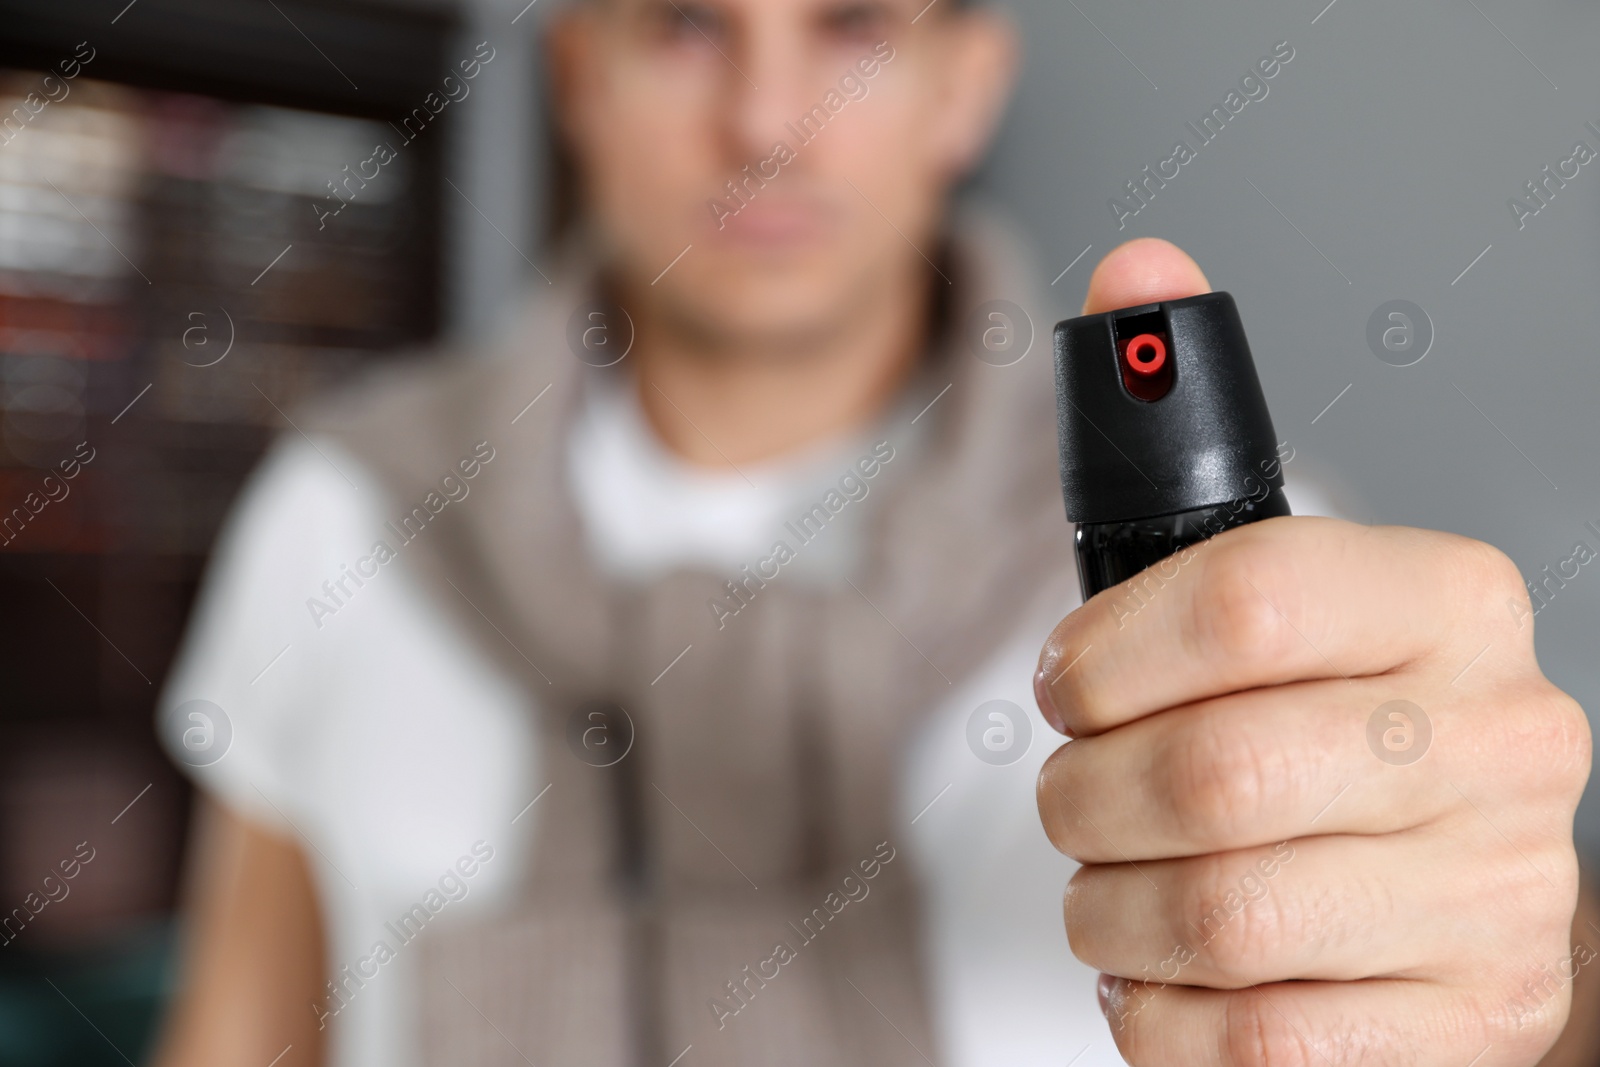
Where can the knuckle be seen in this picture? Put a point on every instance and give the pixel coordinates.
(1255, 1035)
(1485, 570)
(1235, 612)
(1533, 1033)
(1480, 580)
(1244, 946)
(1240, 926)
(1525, 1022)
(1217, 781)
(1551, 890)
(1539, 882)
(1550, 736)
(1568, 740)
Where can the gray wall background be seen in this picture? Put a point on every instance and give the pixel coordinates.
(1390, 144)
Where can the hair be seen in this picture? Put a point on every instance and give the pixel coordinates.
(562, 206)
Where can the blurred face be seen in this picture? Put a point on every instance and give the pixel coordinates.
(799, 150)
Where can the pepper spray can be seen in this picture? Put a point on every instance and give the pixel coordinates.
(1164, 433)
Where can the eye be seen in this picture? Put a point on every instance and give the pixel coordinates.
(687, 22)
(857, 22)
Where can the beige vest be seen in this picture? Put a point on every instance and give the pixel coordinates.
(694, 893)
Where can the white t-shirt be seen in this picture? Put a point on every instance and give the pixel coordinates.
(388, 744)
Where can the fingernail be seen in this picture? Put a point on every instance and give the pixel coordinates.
(1103, 990)
(1047, 704)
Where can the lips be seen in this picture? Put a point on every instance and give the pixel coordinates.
(770, 221)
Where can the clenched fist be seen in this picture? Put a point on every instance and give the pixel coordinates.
(1321, 792)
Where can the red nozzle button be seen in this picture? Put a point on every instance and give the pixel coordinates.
(1146, 354)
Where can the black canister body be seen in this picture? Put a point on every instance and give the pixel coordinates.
(1113, 552)
(1164, 433)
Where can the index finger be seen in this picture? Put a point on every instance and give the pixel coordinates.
(1283, 600)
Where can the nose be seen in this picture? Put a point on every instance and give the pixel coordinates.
(768, 82)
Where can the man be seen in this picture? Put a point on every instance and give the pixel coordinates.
(583, 707)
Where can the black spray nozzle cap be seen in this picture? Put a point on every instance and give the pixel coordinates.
(1160, 411)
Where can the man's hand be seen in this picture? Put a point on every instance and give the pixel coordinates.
(1282, 866)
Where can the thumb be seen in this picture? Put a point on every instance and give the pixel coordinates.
(1143, 271)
